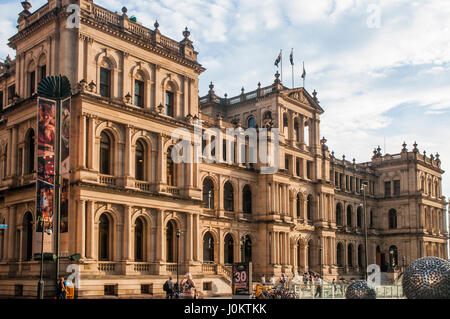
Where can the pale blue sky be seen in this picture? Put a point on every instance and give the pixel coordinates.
(389, 83)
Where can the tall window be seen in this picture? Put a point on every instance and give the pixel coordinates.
(32, 82)
(298, 202)
(360, 256)
(359, 217)
(372, 222)
(251, 122)
(27, 235)
(350, 255)
(247, 249)
(228, 197)
(11, 92)
(208, 193)
(387, 189)
(247, 200)
(349, 216)
(339, 214)
(29, 168)
(139, 174)
(42, 72)
(138, 240)
(392, 219)
(396, 188)
(171, 242)
(1, 100)
(339, 254)
(105, 82)
(105, 154)
(309, 207)
(229, 250)
(139, 93)
(169, 103)
(170, 168)
(103, 241)
(208, 248)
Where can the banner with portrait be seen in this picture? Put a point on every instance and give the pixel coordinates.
(44, 205)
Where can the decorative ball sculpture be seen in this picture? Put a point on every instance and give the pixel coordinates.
(427, 278)
(360, 290)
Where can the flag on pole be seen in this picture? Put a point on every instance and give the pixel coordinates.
(291, 57)
(304, 72)
(278, 60)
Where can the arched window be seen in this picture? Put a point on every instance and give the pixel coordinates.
(350, 255)
(31, 79)
(360, 256)
(29, 155)
(139, 89)
(251, 122)
(171, 242)
(247, 249)
(104, 238)
(349, 216)
(27, 236)
(310, 260)
(392, 219)
(309, 207)
(139, 240)
(208, 193)
(208, 248)
(140, 161)
(339, 214)
(170, 103)
(306, 134)
(247, 200)
(339, 254)
(170, 168)
(393, 256)
(298, 202)
(105, 79)
(228, 198)
(359, 217)
(105, 154)
(229, 250)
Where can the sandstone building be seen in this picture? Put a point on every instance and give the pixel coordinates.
(132, 87)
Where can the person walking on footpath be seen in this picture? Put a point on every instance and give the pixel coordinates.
(319, 287)
(168, 288)
(61, 289)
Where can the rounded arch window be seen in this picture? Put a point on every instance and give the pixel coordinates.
(140, 161)
(105, 154)
(339, 214)
(208, 193)
(229, 250)
(228, 197)
(251, 122)
(104, 238)
(208, 248)
(392, 219)
(139, 240)
(349, 216)
(247, 200)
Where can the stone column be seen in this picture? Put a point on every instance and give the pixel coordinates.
(197, 240)
(189, 235)
(81, 247)
(91, 142)
(90, 231)
(82, 142)
(11, 231)
(13, 157)
(128, 155)
(126, 245)
(160, 254)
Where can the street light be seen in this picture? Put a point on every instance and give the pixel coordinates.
(178, 253)
(366, 258)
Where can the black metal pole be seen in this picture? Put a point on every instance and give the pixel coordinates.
(41, 277)
(58, 182)
(366, 257)
(178, 254)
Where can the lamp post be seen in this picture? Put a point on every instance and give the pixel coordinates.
(366, 257)
(41, 277)
(178, 254)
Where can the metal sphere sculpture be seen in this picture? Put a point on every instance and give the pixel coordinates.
(360, 290)
(427, 278)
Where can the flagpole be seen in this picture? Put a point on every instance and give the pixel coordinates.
(282, 66)
(292, 63)
(304, 74)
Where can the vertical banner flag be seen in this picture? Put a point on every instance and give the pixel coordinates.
(65, 164)
(45, 184)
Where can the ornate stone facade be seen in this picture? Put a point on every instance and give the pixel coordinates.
(132, 87)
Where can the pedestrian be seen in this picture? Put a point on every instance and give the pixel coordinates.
(319, 287)
(263, 280)
(334, 285)
(283, 280)
(61, 289)
(272, 281)
(168, 288)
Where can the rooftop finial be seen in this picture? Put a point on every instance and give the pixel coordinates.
(26, 5)
(242, 90)
(211, 86)
(415, 150)
(277, 77)
(186, 33)
(156, 25)
(404, 147)
(315, 95)
(124, 10)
